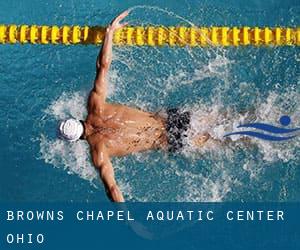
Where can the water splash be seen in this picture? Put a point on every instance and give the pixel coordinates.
(215, 85)
(74, 158)
(192, 185)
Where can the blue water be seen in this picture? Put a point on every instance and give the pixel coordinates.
(42, 84)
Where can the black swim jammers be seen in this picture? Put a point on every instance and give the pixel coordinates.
(177, 124)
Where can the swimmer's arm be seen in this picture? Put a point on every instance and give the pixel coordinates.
(103, 164)
(102, 65)
(105, 56)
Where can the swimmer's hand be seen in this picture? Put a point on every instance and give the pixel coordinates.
(115, 24)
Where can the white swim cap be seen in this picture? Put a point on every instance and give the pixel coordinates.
(70, 130)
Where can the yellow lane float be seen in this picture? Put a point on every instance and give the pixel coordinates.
(152, 35)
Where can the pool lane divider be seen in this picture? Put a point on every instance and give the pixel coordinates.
(152, 35)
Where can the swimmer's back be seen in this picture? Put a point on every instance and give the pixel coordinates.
(126, 130)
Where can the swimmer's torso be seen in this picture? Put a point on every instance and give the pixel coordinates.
(124, 130)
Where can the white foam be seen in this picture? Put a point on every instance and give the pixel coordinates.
(72, 157)
(68, 105)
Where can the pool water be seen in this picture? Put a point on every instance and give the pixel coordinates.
(43, 84)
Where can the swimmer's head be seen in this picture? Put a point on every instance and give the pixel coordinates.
(70, 130)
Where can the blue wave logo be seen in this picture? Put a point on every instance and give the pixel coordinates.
(279, 133)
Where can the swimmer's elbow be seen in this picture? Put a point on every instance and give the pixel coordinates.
(105, 63)
(99, 163)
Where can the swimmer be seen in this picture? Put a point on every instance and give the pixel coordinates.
(114, 130)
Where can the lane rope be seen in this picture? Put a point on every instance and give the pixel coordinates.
(152, 35)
